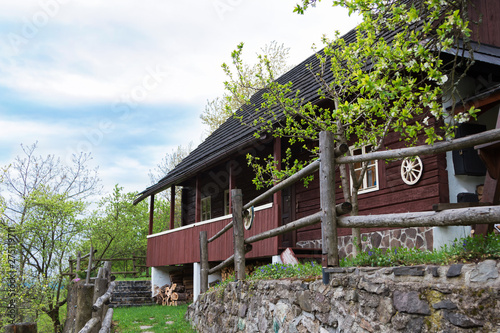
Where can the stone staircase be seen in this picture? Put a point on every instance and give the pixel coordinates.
(131, 293)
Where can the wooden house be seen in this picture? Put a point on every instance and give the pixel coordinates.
(219, 164)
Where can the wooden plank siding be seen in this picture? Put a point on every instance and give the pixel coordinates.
(183, 246)
(393, 196)
(488, 30)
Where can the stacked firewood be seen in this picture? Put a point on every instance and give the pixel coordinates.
(228, 272)
(169, 294)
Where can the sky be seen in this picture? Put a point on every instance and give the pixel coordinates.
(126, 81)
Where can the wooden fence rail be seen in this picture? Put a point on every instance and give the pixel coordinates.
(330, 214)
(136, 267)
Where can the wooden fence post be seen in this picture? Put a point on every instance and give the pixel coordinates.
(84, 301)
(238, 234)
(78, 260)
(87, 281)
(101, 286)
(203, 261)
(327, 199)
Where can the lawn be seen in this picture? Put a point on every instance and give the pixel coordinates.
(158, 319)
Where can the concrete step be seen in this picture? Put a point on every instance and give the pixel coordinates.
(131, 293)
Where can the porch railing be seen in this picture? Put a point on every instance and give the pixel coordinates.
(330, 214)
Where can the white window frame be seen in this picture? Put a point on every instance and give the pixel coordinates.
(364, 187)
(227, 199)
(204, 214)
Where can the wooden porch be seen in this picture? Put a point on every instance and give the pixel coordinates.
(182, 245)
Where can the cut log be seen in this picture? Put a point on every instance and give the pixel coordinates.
(89, 325)
(106, 323)
(104, 298)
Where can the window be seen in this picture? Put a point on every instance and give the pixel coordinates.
(370, 180)
(206, 209)
(227, 199)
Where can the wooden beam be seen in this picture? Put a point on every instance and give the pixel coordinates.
(104, 298)
(228, 261)
(277, 199)
(461, 216)
(311, 168)
(89, 325)
(203, 262)
(440, 147)
(172, 207)
(106, 323)
(297, 224)
(238, 234)
(327, 199)
(232, 182)
(197, 212)
(221, 232)
(151, 214)
(446, 206)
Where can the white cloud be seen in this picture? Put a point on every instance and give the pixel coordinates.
(84, 58)
(99, 49)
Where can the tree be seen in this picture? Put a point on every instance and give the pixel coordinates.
(162, 203)
(117, 228)
(43, 200)
(51, 224)
(392, 77)
(219, 109)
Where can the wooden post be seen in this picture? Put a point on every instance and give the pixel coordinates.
(238, 234)
(277, 196)
(21, 328)
(204, 262)
(106, 323)
(327, 199)
(91, 255)
(197, 212)
(172, 207)
(100, 287)
(151, 214)
(85, 293)
(78, 260)
(134, 266)
(70, 262)
(89, 326)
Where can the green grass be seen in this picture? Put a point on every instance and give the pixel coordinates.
(161, 318)
(469, 249)
(139, 278)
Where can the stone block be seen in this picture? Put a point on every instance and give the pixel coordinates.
(454, 271)
(484, 271)
(410, 302)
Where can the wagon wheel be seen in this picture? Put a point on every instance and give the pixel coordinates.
(411, 170)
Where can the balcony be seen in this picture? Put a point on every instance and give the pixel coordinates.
(182, 245)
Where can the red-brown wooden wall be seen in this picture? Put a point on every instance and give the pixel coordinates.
(183, 246)
(488, 31)
(393, 196)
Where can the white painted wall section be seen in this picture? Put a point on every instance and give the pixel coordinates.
(196, 279)
(160, 276)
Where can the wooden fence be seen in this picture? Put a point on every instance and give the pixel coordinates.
(330, 214)
(75, 265)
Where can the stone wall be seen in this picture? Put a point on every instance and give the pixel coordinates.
(419, 238)
(456, 298)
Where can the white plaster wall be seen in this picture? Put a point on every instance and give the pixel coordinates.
(160, 276)
(461, 183)
(196, 279)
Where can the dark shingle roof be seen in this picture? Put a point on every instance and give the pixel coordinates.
(232, 136)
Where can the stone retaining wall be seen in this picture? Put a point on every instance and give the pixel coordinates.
(456, 298)
(415, 237)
